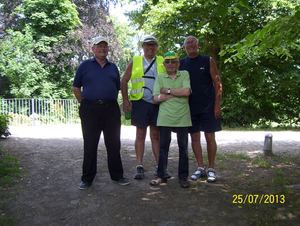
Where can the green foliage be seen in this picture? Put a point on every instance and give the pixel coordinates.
(9, 165)
(281, 31)
(19, 119)
(213, 22)
(19, 65)
(125, 37)
(60, 33)
(9, 171)
(260, 86)
(261, 89)
(27, 52)
(255, 45)
(4, 120)
(49, 20)
(261, 161)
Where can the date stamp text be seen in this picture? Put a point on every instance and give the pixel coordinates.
(259, 199)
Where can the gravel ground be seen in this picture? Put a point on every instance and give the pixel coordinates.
(51, 158)
(250, 142)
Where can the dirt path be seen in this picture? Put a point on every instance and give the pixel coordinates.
(52, 156)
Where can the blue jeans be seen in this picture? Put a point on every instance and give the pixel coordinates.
(182, 141)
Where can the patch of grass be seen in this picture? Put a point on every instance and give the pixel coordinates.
(192, 156)
(261, 161)
(222, 160)
(262, 128)
(232, 157)
(239, 157)
(270, 177)
(7, 220)
(9, 173)
(9, 167)
(220, 157)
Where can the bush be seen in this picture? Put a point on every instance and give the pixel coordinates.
(16, 119)
(4, 120)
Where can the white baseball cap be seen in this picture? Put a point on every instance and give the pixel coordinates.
(99, 39)
(148, 38)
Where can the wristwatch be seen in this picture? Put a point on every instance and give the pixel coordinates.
(169, 91)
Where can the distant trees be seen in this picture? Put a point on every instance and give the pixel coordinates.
(57, 34)
(23, 74)
(255, 45)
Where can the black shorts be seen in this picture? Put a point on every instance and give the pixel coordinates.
(205, 122)
(143, 113)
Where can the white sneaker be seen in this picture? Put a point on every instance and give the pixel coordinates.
(211, 177)
(201, 172)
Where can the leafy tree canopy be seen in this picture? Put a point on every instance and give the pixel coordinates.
(237, 26)
(49, 21)
(255, 84)
(25, 73)
(281, 31)
(61, 32)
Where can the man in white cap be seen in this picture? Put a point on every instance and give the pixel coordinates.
(142, 71)
(99, 112)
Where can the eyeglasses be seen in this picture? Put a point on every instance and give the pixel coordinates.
(102, 46)
(190, 43)
(150, 44)
(171, 61)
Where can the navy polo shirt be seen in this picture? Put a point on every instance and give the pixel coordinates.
(202, 99)
(98, 83)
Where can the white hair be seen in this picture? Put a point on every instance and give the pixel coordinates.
(190, 37)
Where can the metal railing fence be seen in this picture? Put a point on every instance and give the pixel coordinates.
(33, 112)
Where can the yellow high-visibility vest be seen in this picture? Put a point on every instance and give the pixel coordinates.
(137, 76)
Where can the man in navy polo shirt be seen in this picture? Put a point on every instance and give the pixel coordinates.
(99, 112)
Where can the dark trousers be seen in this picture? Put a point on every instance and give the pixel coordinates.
(96, 118)
(182, 141)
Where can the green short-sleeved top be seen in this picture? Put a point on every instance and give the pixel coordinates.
(176, 111)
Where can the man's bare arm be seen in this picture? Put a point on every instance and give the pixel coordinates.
(124, 88)
(180, 92)
(218, 87)
(163, 97)
(77, 93)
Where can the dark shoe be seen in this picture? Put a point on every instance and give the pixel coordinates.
(184, 183)
(123, 181)
(84, 185)
(157, 181)
(168, 175)
(139, 173)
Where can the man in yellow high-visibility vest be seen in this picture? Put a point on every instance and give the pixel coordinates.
(142, 71)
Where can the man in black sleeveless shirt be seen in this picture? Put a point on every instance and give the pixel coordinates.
(205, 104)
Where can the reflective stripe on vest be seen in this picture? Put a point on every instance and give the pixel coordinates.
(137, 80)
(137, 73)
